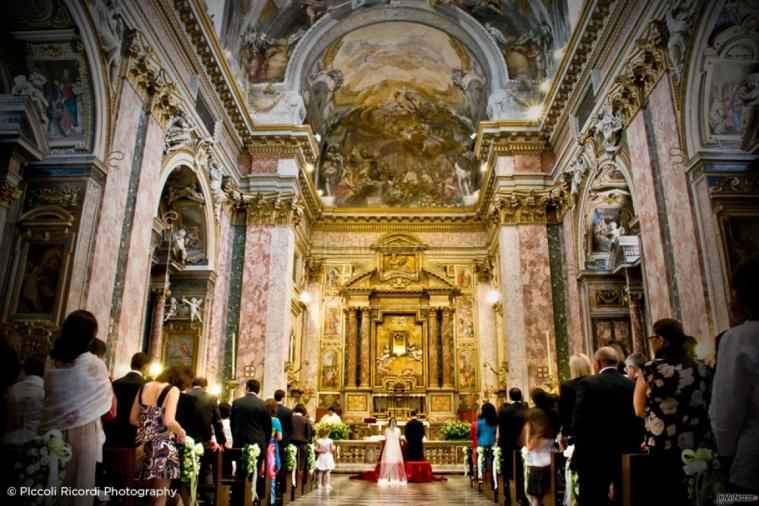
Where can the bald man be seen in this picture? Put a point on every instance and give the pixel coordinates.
(605, 427)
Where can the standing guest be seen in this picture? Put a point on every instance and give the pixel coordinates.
(225, 410)
(251, 424)
(414, 432)
(325, 462)
(154, 414)
(511, 420)
(77, 393)
(208, 410)
(23, 403)
(120, 432)
(579, 367)
(188, 415)
(98, 348)
(487, 430)
(303, 429)
(543, 400)
(331, 416)
(672, 393)
(605, 427)
(734, 409)
(634, 364)
(285, 417)
(274, 460)
(538, 439)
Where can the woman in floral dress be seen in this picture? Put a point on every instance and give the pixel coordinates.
(672, 394)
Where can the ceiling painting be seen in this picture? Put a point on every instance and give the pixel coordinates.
(396, 104)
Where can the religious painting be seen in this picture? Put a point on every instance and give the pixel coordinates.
(467, 372)
(463, 276)
(605, 227)
(66, 89)
(741, 239)
(333, 320)
(399, 265)
(725, 109)
(614, 332)
(602, 330)
(180, 345)
(330, 400)
(347, 273)
(356, 402)
(441, 403)
(41, 280)
(399, 349)
(395, 104)
(330, 370)
(182, 195)
(465, 318)
(469, 401)
(333, 277)
(450, 271)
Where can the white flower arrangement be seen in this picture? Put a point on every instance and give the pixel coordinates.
(497, 459)
(310, 458)
(190, 465)
(467, 458)
(480, 461)
(43, 463)
(704, 475)
(250, 454)
(291, 461)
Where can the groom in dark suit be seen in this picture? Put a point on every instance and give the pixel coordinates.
(605, 427)
(414, 435)
(251, 424)
(120, 432)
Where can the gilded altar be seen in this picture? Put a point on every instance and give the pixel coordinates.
(398, 334)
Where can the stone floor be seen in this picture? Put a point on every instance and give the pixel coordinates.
(346, 492)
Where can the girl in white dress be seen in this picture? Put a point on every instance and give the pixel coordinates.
(325, 462)
(392, 470)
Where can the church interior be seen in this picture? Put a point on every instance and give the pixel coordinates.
(378, 206)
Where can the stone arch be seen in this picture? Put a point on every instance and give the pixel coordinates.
(453, 21)
(186, 158)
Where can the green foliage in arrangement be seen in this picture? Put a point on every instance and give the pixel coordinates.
(336, 430)
(455, 431)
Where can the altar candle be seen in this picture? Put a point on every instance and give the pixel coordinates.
(548, 351)
(234, 355)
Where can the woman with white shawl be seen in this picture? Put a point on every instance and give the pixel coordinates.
(77, 393)
(392, 470)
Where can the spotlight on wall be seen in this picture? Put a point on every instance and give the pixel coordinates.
(558, 53)
(305, 298)
(155, 369)
(545, 85)
(484, 167)
(215, 390)
(473, 136)
(492, 296)
(534, 112)
(702, 351)
(319, 192)
(309, 167)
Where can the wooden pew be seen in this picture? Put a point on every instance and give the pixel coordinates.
(226, 481)
(213, 489)
(635, 470)
(516, 483)
(117, 462)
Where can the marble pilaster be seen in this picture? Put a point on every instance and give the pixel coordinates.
(350, 349)
(491, 354)
(448, 344)
(432, 358)
(218, 316)
(365, 347)
(572, 296)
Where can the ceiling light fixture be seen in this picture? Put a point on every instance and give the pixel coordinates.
(484, 167)
(309, 167)
(535, 112)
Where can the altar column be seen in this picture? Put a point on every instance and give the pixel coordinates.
(432, 332)
(365, 327)
(156, 331)
(350, 348)
(447, 333)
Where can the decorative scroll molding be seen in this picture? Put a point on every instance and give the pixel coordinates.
(8, 192)
(742, 185)
(268, 207)
(67, 196)
(520, 207)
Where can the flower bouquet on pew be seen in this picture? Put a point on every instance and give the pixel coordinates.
(43, 463)
(310, 458)
(190, 465)
(250, 454)
(291, 462)
(705, 476)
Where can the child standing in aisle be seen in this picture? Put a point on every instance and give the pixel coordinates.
(325, 462)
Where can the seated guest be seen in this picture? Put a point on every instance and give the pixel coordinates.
(120, 432)
(633, 364)
(605, 427)
(579, 367)
(414, 432)
(672, 394)
(302, 428)
(735, 399)
(77, 393)
(23, 403)
(331, 416)
(154, 414)
(487, 429)
(511, 420)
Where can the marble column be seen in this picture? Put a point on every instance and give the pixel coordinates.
(365, 346)
(634, 302)
(350, 349)
(447, 332)
(432, 356)
(156, 329)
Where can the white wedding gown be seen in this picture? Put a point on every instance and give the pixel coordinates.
(392, 471)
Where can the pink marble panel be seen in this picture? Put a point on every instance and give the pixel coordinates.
(264, 166)
(217, 326)
(682, 222)
(572, 289)
(254, 300)
(630, 23)
(137, 272)
(111, 216)
(528, 163)
(652, 243)
(538, 300)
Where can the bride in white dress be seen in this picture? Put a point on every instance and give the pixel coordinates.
(392, 470)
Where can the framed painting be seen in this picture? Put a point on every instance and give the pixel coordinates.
(180, 344)
(329, 374)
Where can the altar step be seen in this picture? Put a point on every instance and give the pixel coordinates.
(347, 492)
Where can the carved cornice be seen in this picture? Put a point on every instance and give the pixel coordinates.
(734, 185)
(167, 103)
(504, 141)
(268, 207)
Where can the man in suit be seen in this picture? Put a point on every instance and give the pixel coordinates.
(208, 410)
(285, 416)
(414, 435)
(511, 420)
(605, 427)
(119, 432)
(251, 424)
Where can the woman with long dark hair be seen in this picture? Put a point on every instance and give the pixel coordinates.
(77, 393)
(487, 431)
